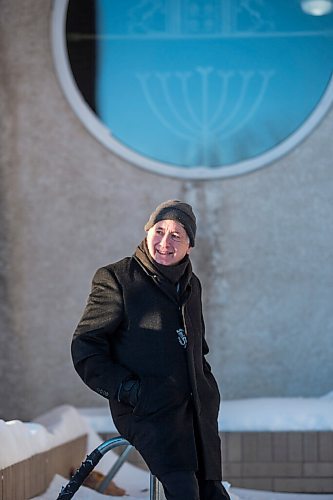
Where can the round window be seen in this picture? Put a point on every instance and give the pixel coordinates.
(196, 89)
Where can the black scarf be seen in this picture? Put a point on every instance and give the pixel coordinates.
(174, 278)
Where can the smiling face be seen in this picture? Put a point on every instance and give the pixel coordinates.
(168, 242)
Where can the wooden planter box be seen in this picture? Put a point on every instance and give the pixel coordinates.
(32, 476)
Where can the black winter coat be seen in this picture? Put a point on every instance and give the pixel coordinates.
(128, 330)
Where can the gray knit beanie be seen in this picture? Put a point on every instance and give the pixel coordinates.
(178, 211)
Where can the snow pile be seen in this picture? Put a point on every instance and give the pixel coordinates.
(20, 440)
(83, 492)
(277, 414)
(64, 423)
(257, 414)
(99, 419)
(17, 443)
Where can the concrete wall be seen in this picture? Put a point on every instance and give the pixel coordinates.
(264, 248)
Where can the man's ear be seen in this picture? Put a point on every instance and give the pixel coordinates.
(189, 250)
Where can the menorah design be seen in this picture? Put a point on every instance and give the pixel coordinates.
(200, 121)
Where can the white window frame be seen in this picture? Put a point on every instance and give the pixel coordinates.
(104, 136)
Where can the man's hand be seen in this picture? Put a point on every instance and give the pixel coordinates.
(128, 392)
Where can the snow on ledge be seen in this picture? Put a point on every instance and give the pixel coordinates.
(277, 414)
(250, 415)
(21, 440)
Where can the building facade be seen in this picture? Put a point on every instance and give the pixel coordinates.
(69, 204)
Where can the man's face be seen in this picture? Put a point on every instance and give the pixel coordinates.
(168, 242)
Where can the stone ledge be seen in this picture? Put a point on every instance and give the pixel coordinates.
(279, 461)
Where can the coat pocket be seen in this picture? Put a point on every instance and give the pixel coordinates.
(158, 394)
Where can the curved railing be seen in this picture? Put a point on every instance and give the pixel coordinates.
(68, 491)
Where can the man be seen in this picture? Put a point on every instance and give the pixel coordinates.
(140, 344)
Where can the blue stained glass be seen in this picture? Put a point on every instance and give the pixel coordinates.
(208, 83)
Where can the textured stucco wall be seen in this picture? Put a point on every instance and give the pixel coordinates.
(264, 247)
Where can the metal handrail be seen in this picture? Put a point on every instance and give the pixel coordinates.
(115, 468)
(68, 491)
(156, 489)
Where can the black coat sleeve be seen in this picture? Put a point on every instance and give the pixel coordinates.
(91, 340)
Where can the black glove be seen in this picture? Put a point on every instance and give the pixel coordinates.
(128, 392)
